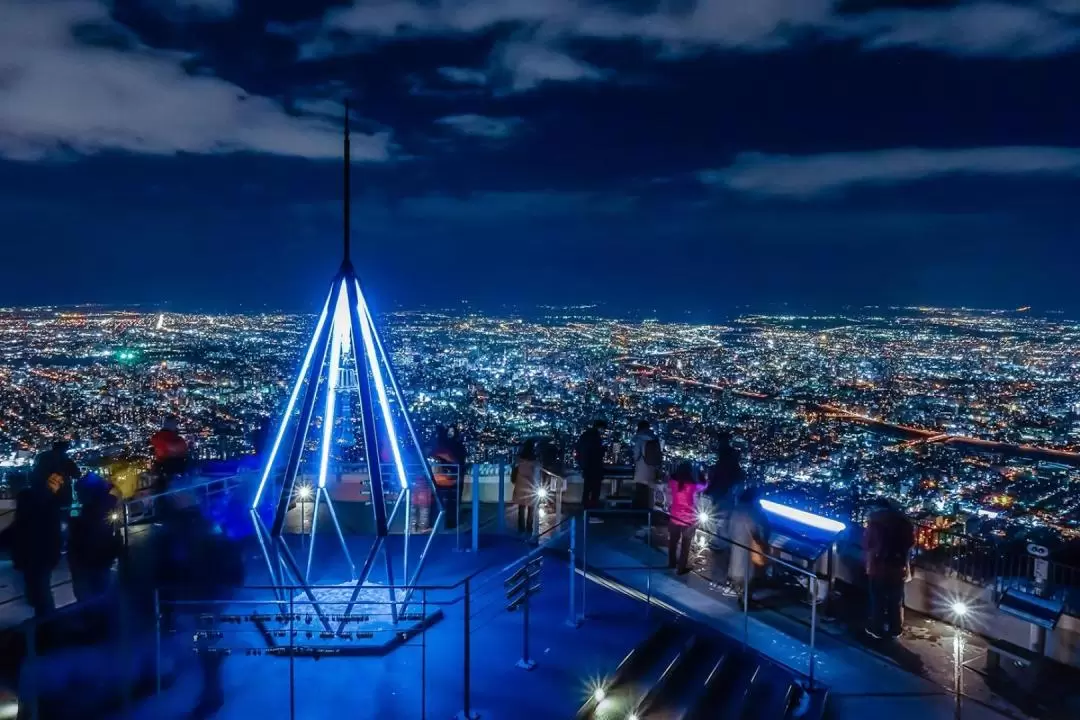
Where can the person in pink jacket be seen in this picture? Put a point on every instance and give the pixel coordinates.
(684, 489)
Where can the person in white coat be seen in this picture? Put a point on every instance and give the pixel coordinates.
(646, 448)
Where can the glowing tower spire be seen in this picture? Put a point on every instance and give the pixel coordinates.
(345, 344)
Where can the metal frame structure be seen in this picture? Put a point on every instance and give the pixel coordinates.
(345, 335)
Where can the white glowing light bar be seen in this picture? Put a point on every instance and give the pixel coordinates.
(384, 402)
(292, 399)
(801, 516)
(341, 320)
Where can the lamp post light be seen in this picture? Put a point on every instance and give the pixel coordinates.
(960, 612)
(303, 493)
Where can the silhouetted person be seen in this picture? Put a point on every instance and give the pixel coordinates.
(447, 473)
(204, 568)
(725, 478)
(749, 531)
(170, 454)
(93, 540)
(460, 453)
(523, 478)
(590, 458)
(37, 542)
(887, 544)
(648, 455)
(683, 513)
(55, 461)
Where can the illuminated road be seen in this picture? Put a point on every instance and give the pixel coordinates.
(920, 435)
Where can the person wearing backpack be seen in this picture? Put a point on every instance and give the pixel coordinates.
(93, 541)
(648, 455)
(887, 544)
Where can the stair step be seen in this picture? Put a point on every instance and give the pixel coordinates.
(614, 690)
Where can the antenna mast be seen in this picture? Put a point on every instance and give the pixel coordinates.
(346, 200)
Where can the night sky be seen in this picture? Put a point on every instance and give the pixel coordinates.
(670, 156)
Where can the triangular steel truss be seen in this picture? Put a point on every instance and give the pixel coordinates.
(346, 355)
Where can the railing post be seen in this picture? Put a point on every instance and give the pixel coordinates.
(526, 663)
(813, 587)
(537, 484)
(584, 559)
(746, 599)
(560, 482)
(127, 527)
(126, 653)
(466, 713)
(157, 642)
(572, 618)
(29, 686)
(292, 657)
(475, 507)
(501, 520)
(423, 657)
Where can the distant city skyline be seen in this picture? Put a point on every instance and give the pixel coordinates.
(953, 413)
(700, 155)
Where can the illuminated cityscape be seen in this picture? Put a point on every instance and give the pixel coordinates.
(827, 409)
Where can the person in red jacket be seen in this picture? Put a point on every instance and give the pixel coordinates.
(684, 489)
(887, 544)
(170, 454)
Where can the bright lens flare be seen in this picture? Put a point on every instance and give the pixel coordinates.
(703, 517)
(304, 492)
(599, 694)
(960, 609)
(542, 493)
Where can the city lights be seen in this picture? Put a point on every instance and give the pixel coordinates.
(995, 463)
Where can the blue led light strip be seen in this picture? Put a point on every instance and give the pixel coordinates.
(380, 387)
(341, 325)
(801, 516)
(301, 376)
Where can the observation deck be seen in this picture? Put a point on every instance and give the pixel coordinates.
(611, 632)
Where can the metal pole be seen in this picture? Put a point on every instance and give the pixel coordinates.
(125, 650)
(157, 642)
(303, 522)
(584, 559)
(558, 487)
(292, 659)
(467, 712)
(526, 663)
(502, 497)
(746, 600)
(127, 529)
(423, 657)
(537, 484)
(572, 619)
(459, 490)
(534, 526)
(648, 533)
(31, 651)
(813, 585)
(475, 507)
(958, 675)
